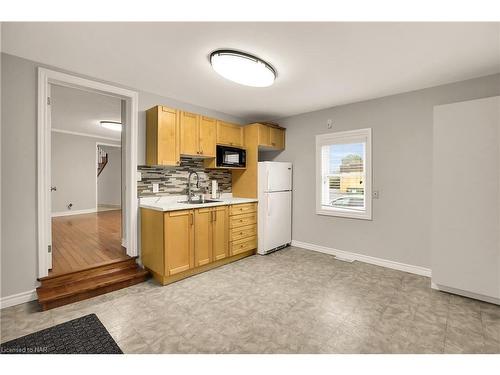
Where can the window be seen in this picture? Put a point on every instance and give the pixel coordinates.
(343, 174)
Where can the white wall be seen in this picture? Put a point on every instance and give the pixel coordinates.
(18, 174)
(110, 180)
(402, 171)
(466, 197)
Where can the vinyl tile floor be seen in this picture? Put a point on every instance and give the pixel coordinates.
(292, 301)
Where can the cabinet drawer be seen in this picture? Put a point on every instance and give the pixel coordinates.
(242, 220)
(243, 245)
(236, 209)
(243, 232)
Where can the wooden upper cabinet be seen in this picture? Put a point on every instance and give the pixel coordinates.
(189, 134)
(269, 137)
(208, 136)
(162, 135)
(264, 135)
(197, 135)
(179, 241)
(277, 138)
(203, 218)
(220, 232)
(229, 134)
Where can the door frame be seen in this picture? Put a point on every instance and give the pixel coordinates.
(46, 77)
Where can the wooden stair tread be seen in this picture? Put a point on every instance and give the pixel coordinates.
(96, 267)
(88, 274)
(51, 293)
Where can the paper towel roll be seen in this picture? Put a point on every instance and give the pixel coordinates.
(214, 189)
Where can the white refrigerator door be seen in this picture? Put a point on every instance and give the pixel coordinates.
(275, 225)
(278, 176)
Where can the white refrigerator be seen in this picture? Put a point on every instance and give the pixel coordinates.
(275, 206)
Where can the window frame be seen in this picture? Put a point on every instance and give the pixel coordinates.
(342, 137)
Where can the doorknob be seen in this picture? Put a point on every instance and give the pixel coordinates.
(53, 188)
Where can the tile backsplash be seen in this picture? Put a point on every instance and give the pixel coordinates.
(173, 180)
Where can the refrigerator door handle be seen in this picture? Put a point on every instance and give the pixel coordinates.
(268, 206)
(267, 181)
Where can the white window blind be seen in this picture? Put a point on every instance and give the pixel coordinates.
(343, 174)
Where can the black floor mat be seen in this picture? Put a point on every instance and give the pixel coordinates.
(85, 335)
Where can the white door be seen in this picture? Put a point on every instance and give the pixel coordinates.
(279, 176)
(278, 219)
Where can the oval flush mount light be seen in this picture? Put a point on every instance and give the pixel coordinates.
(242, 68)
(112, 125)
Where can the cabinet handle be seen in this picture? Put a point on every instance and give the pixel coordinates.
(191, 218)
(201, 152)
(215, 215)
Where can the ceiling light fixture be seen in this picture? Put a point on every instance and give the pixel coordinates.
(112, 125)
(242, 68)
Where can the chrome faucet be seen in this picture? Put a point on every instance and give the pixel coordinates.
(189, 184)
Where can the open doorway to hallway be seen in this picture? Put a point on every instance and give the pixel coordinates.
(87, 184)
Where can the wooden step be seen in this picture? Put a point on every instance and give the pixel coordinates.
(94, 285)
(85, 273)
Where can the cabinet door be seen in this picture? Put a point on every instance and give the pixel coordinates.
(189, 134)
(277, 138)
(203, 236)
(229, 134)
(264, 133)
(179, 241)
(220, 232)
(167, 137)
(208, 132)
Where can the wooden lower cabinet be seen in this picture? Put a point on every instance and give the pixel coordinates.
(220, 233)
(178, 244)
(203, 238)
(243, 228)
(179, 241)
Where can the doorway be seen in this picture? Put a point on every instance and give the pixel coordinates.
(78, 237)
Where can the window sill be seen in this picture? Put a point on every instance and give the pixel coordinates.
(345, 213)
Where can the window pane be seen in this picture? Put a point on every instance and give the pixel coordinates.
(343, 176)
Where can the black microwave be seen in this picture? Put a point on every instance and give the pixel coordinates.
(231, 157)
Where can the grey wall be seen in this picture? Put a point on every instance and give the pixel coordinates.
(74, 172)
(18, 174)
(402, 170)
(109, 182)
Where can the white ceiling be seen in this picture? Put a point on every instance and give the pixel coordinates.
(81, 111)
(319, 64)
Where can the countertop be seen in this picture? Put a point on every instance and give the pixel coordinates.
(171, 203)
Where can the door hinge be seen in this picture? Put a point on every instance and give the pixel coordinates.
(49, 249)
(48, 100)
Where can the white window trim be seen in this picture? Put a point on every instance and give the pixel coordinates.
(351, 136)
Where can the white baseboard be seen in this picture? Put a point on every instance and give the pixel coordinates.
(74, 212)
(364, 258)
(17, 299)
(465, 293)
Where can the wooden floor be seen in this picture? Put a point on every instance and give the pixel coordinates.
(83, 241)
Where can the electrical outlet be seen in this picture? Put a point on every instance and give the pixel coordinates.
(156, 188)
(375, 194)
(329, 123)
(139, 176)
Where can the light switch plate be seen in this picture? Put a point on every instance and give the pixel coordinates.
(139, 176)
(156, 188)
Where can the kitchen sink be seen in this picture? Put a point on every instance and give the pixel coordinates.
(200, 201)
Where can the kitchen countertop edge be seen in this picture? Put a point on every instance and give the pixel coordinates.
(176, 206)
